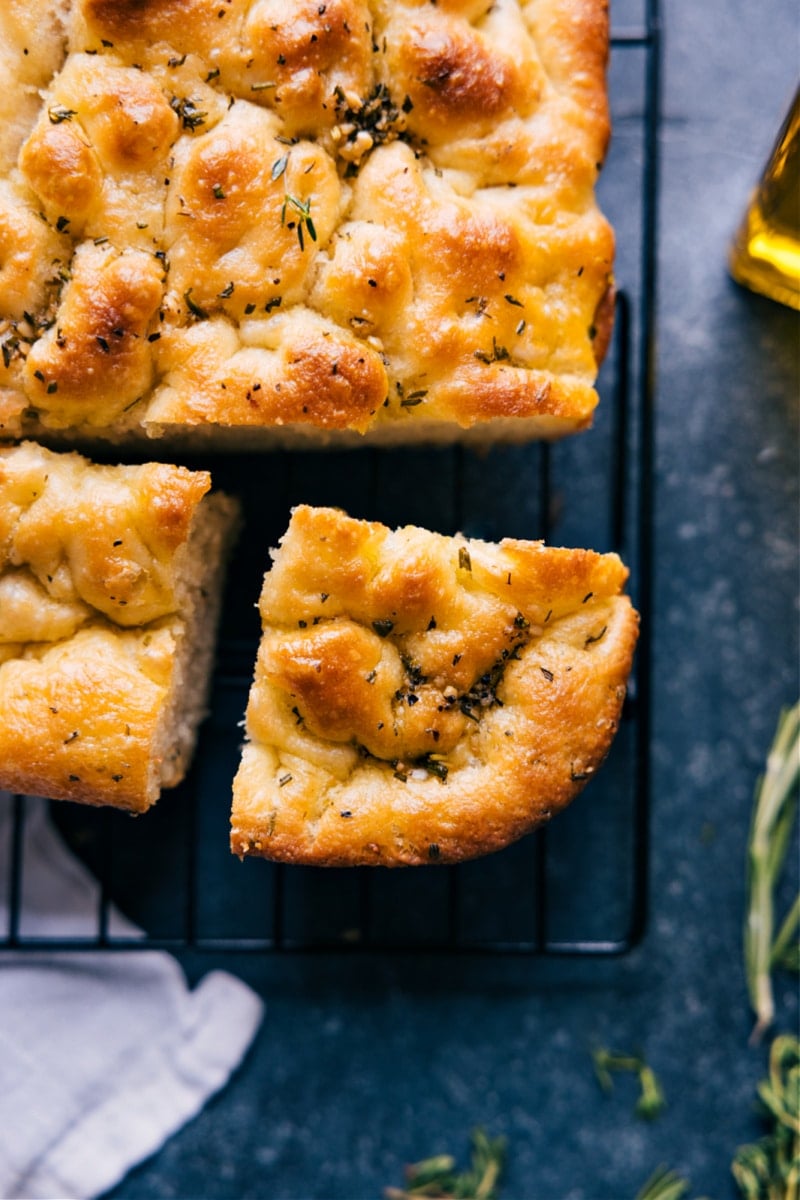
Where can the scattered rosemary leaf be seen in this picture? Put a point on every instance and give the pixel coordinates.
(187, 111)
(438, 1178)
(435, 766)
(651, 1100)
(774, 810)
(302, 211)
(413, 399)
(605, 1062)
(499, 353)
(194, 308)
(59, 112)
(278, 167)
(663, 1185)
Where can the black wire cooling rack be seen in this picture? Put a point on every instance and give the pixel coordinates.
(576, 887)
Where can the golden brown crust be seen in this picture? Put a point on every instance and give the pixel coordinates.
(409, 187)
(454, 77)
(318, 377)
(95, 363)
(81, 717)
(420, 698)
(603, 324)
(31, 257)
(95, 614)
(573, 37)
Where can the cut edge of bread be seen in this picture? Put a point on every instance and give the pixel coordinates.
(201, 587)
(247, 439)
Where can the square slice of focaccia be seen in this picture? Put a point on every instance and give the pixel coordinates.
(260, 222)
(420, 698)
(110, 581)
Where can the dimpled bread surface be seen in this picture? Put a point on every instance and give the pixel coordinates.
(420, 698)
(254, 222)
(109, 585)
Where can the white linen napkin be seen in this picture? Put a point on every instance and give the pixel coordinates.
(102, 1055)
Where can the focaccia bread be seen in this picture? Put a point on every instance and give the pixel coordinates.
(110, 582)
(419, 698)
(259, 222)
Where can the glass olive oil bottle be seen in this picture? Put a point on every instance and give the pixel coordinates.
(765, 254)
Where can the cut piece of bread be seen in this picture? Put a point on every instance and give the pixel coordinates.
(420, 698)
(246, 223)
(110, 587)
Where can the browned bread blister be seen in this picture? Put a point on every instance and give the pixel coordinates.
(420, 698)
(249, 223)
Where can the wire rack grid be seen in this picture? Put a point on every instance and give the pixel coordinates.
(577, 887)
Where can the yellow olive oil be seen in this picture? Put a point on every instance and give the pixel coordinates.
(765, 255)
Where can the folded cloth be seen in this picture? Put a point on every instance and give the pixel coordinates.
(102, 1055)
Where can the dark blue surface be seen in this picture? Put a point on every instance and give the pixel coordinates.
(363, 1065)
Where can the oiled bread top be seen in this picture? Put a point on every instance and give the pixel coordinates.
(93, 566)
(81, 542)
(333, 215)
(419, 697)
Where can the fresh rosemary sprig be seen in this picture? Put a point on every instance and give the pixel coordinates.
(786, 947)
(774, 812)
(651, 1098)
(438, 1178)
(770, 1168)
